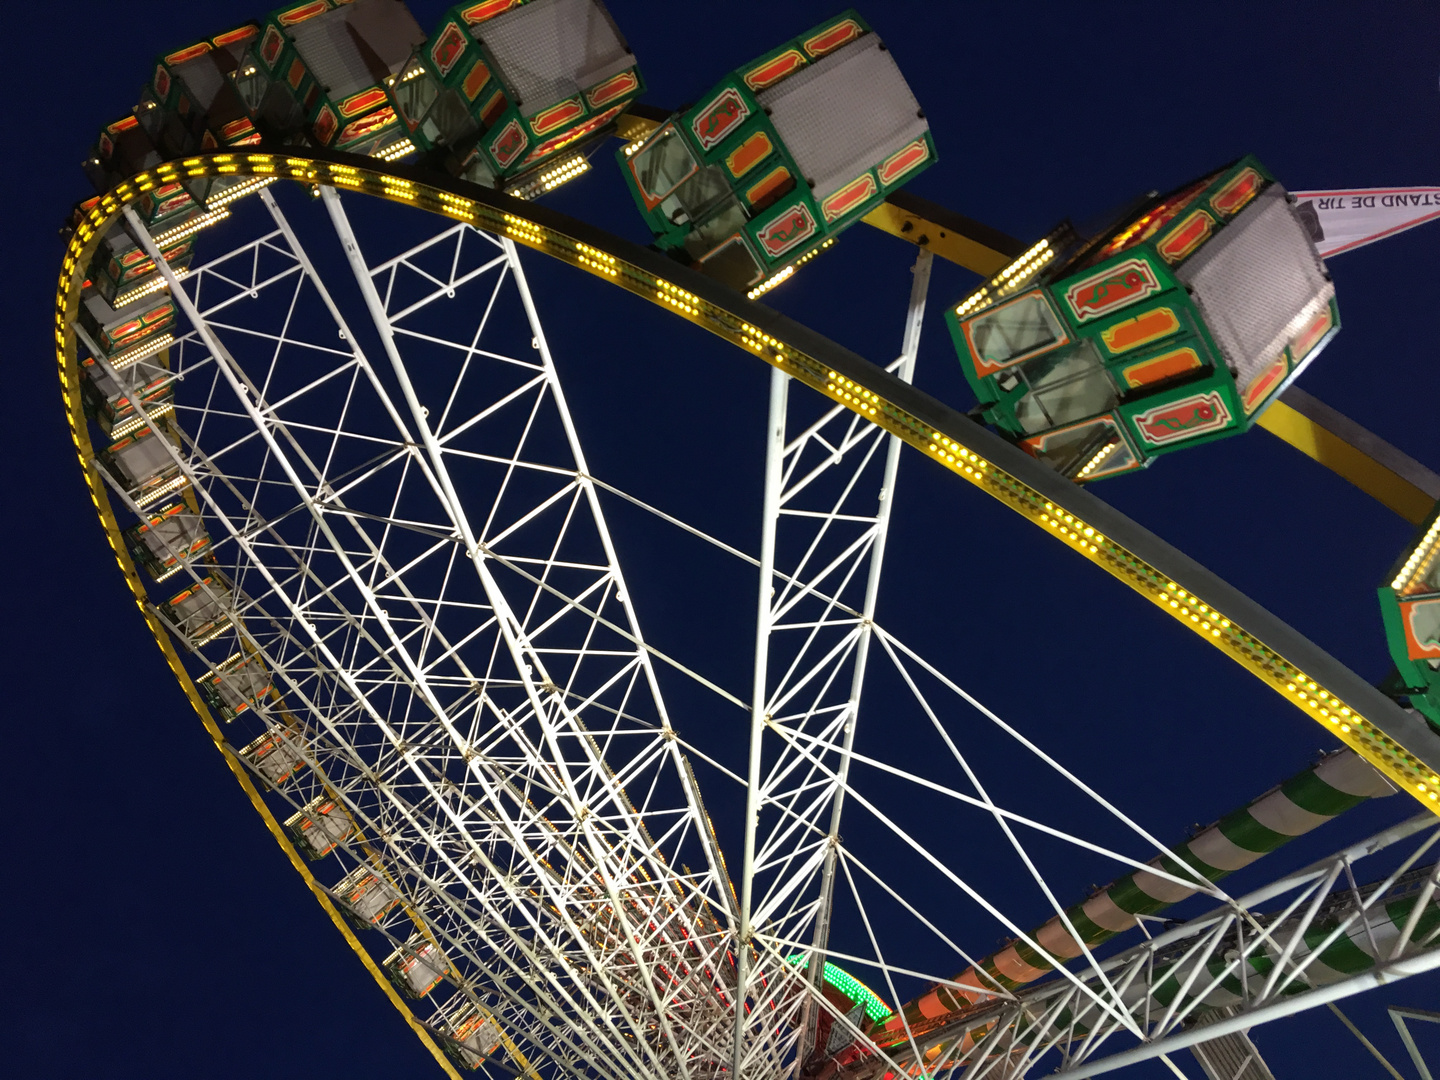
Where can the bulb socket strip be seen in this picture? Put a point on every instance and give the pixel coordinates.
(862, 387)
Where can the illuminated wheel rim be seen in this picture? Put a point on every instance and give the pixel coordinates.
(579, 940)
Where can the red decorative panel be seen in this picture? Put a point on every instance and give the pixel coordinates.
(1186, 418)
(624, 83)
(719, 117)
(506, 146)
(449, 47)
(547, 120)
(898, 164)
(1264, 383)
(362, 102)
(1112, 289)
(1308, 338)
(271, 45)
(300, 14)
(565, 138)
(478, 13)
(367, 125)
(234, 37)
(325, 125)
(1239, 191)
(849, 197)
(831, 39)
(1186, 237)
(188, 54)
(792, 227)
(773, 70)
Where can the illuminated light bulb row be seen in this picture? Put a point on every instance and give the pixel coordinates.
(453, 204)
(1075, 530)
(597, 259)
(571, 169)
(525, 230)
(1040, 250)
(677, 297)
(974, 300)
(1190, 607)
(189, 228)
(634, 147)
(125, 299)
(863, 401)
(770, 282)
(1420, 559)
(1028, 273)
(135, 423)
(160, 492)
(952, 453)
(240, 191)
(1099, 456)
(395, 151)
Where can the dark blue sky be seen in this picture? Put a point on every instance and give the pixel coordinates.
(158, 930)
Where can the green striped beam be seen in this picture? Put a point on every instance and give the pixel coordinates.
(1309, 799)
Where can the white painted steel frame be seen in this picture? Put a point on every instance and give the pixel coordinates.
(493, 797)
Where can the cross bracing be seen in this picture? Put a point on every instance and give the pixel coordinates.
(409, 539)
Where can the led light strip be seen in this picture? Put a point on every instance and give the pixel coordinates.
(191, 227)
(1301, 689)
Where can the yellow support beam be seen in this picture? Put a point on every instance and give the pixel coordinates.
(1386, 474)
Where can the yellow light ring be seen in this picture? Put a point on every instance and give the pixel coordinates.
(1347, 724)
(82, 247)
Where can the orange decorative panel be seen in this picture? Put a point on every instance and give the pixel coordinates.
(1162, 367)
(768, 185)
(1144, 328)
(749, 154)
(475, 80)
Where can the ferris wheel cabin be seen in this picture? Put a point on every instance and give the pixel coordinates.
(780, 156)
(507, 92)
(1175, 327)
(1410, 606)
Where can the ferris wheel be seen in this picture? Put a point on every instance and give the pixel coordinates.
(343, 478)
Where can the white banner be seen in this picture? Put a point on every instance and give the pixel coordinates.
(1341, 220)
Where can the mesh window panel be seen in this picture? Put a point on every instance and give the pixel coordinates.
(356, 46)
(549, 50)
(1256, 282)
(844, 113)
(203, 78)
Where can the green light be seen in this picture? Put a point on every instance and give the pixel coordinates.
(848, 985)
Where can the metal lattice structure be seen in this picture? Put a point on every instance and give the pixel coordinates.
(412, 606)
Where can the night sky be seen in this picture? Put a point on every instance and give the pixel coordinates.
(159, 932)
